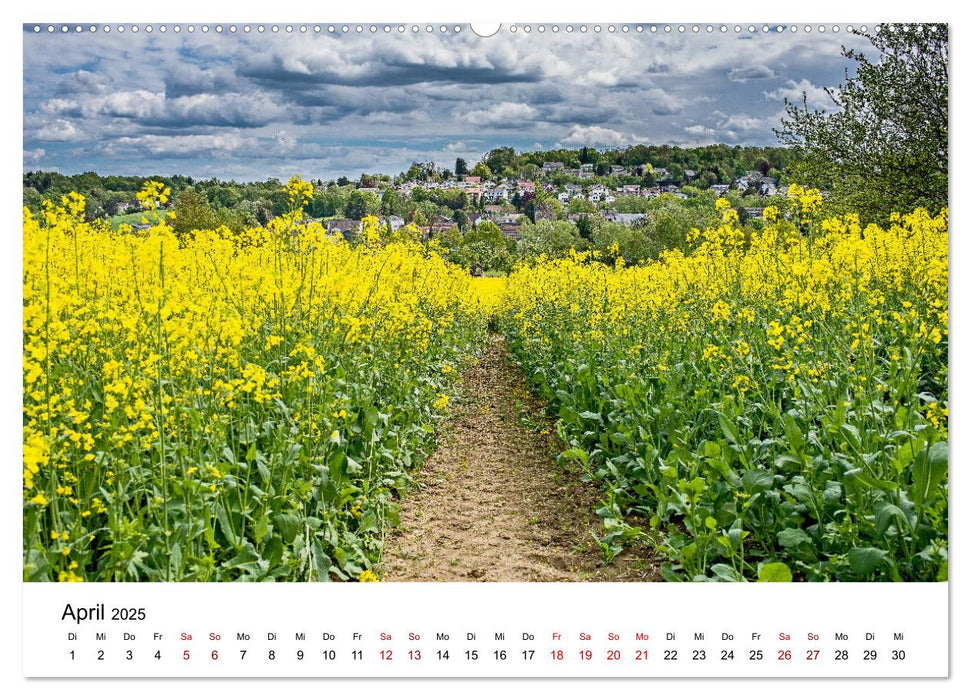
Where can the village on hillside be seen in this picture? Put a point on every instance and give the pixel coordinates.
(503, 200)
(485, 215)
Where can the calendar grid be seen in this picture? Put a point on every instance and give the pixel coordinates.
(490, 630)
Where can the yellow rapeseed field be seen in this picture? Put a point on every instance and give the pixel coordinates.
(226, 407)
(771, 404)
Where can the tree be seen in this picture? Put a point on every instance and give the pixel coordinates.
(546, 208)
(461, 167)
(260, 209)
(581, 205)
(585, 228)
(391, 203)
(485, 247)
(528, 204)
(224, 196)
(669, 221)
(530, 171)
(236, 220)
(193, 213)
(361, 204)
(549, 238)
(428, 211)
(482, 170)
(454, 199)
(617, 240)
(450, 239)
(500, 160)
(883, 145)
(329, 201)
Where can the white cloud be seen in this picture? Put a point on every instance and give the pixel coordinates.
(699, 130)
(233, 109)
(188, 144)
(58, 130)
(732, 128)
(601, 78)
(663, 103)
(744, 122)
(504, 114)
(134, 104)
(395, 60)
(285, 140)
(596, 137)
(34, 155)
(58, 105)
(816, 97)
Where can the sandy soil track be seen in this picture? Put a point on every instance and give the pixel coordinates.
(492, 504)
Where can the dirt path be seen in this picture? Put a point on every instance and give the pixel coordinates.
(491, 503)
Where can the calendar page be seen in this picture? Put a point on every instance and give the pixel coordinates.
(518, 350)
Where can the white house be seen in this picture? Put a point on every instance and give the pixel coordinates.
(394, 222)
(598, 193)
(496, 194)
(573, 191)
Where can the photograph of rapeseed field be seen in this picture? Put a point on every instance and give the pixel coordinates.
(567, 303)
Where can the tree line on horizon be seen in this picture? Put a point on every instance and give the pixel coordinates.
(259, 201)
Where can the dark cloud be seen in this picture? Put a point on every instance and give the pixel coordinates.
(387, 75)
(84, 82)
(185, 79)
(602, 113)
(743, 74)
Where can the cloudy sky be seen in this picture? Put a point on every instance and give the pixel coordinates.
(251, 106)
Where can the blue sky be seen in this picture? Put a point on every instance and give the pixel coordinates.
(251, 106)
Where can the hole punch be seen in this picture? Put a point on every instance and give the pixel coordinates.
(485, 29)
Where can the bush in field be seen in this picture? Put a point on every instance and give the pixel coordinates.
(484, 247)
